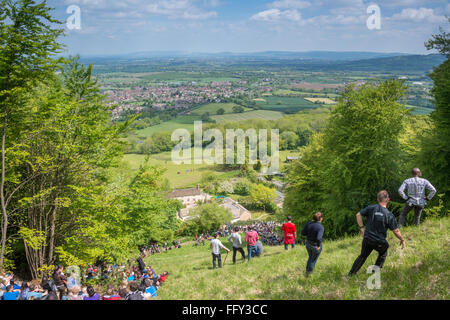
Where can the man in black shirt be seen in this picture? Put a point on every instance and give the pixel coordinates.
(378, 220)
(313, 231)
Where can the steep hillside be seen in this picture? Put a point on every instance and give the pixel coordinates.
(420, 271)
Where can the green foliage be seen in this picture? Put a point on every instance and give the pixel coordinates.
(35, 239)
(262, 197)
(207, 217)
(435, 145)
(358, 155)
(243, 187)
(238, 109)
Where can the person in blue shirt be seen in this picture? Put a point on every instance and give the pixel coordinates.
(150, 288)
(10, 294)
(313, 231)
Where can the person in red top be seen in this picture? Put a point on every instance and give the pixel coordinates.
(163, 277)
(290, 233)
(251, 237)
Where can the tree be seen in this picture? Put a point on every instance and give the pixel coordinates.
(28, 39)
(220, 111)
(70, 141)
(289, 140)
(357, 155)
(238, 109)
(435, 154)
(440, 42)
(262, 196)
(207, 217)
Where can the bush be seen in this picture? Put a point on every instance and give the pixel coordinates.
(207, 217)
(243, 187)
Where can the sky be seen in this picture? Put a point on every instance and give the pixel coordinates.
(110, 27)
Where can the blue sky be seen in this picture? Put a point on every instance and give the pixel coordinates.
(125, 26)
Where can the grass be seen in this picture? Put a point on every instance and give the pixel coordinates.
(187, 178)
(179, 176)
(420, 271)
(258, 114)
(321, 100)
(213, 107)
(285, 104)
(184, 122)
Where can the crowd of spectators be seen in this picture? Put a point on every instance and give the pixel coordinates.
(105, 282)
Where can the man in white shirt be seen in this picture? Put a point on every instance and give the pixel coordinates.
(416, 198)
(215, 246)
(235, 239)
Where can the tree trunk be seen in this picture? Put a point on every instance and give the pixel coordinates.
(2, 190)
(52, 232)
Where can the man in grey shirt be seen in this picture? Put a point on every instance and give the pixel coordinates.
(235, 239)
(416, 195)
(215, 246)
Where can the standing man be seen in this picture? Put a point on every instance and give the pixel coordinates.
(235, 239)
(251, 237)
(215, 246)
(290, 233)
(416, 196)
(378, 220)
(313, 231)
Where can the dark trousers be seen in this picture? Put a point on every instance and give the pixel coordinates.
(219, 258)
(406, 209)
(367, 247)
(313, 255)
(235, 250)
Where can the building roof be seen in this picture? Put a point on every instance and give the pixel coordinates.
(185, 193)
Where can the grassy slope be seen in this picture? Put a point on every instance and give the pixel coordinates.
(421, 271)
(258, 114)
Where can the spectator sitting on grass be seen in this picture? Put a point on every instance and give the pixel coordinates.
(92, 295)
(11, 294)
(150, 291)
(35, 292)
(163, 277)
(74, 293)
(123, 292)
(134, 294)
(111, 294)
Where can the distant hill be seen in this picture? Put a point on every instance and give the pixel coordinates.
(324, 61)
(308, 55)
(399, 63)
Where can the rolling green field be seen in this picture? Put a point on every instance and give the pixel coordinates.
(420, 271)
(185, 122)
(257, 114)
(181, 176)
(213, 107)
(285, 104)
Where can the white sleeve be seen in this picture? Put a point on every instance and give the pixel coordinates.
(401, 191)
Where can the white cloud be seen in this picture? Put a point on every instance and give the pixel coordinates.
(277, 15)
(184, 9)
(418, 15)
(290, 4)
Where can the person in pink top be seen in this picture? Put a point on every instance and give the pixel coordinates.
(251, 237)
